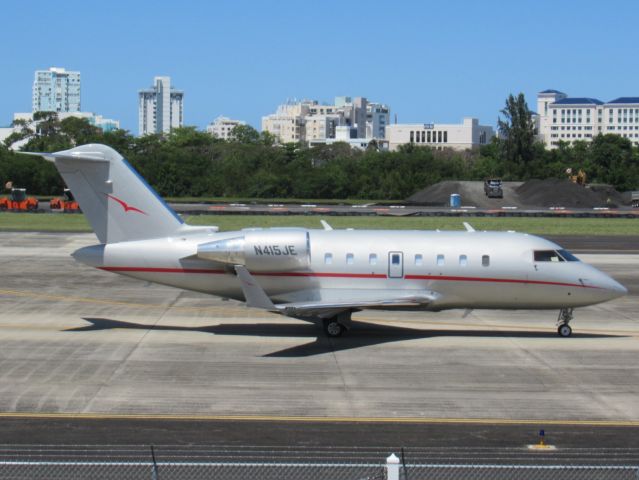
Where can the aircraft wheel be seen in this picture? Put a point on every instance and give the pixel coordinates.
(333, 328)
(564, 330)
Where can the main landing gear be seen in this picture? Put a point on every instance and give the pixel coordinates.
(564, 318)
(336, 326)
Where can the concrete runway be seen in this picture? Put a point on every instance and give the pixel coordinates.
(98, 346)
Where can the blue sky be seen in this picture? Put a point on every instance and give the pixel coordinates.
(430, 61)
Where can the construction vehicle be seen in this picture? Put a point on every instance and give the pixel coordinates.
(579, 178)
(18, 201)
(67, 203)
(634, 198)
(493, 188)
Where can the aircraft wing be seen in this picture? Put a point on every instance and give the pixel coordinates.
(325, 308)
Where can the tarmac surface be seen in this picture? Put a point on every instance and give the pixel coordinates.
(89, 357)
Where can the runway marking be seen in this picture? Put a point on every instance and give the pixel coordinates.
(317, 419)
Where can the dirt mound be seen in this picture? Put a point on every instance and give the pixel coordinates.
(610, 195)
(554, 192)
(436, 195)
(531, 194)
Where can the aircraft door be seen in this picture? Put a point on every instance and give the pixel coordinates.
(395, 264)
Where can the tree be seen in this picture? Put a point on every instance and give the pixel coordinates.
(21, 130)
(245, 134)
(517, 133)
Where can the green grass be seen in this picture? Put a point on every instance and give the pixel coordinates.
(51, 222)
(286, 201)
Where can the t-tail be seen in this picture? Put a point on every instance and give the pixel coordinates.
(117, 201)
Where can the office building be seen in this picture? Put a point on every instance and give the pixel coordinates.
(461, 136)
(160, 108)
(56, 90)
(579, 119)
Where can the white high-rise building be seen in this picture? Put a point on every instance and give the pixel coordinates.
(160, 108)
(573, 119)
(56, 90)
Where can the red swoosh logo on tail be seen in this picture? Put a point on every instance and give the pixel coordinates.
(126, 206)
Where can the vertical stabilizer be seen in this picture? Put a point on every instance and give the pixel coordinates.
(117, 201)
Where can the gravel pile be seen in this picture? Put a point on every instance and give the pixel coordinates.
(560, 193)
(437, 195)
(531, 194)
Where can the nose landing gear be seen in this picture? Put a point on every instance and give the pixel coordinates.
(564, 318)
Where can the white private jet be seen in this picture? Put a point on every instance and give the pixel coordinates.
(320, 274)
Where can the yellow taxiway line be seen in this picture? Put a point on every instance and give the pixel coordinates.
(315, 419)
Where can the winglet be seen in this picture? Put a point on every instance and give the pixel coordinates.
(255, 295)
(326, 225)
(468, 227)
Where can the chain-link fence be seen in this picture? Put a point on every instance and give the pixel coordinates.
(308, 471)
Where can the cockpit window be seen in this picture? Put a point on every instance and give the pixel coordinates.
(569, 257)
(554, 256)
(547, 256)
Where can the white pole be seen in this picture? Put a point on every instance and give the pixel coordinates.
(392, 467)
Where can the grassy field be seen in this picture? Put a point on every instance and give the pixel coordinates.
(55, 222)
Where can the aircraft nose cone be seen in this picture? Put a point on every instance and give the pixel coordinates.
(618, 289)
(613, 288)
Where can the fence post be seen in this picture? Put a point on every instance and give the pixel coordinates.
(392, 467)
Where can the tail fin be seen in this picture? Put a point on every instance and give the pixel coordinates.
(116, 200)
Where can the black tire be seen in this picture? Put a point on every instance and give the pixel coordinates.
(333, 329)
(564, 330)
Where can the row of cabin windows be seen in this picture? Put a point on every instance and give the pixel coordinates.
(419, 259)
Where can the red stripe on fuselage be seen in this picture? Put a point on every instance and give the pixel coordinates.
(494, 280)
(161, 270)
(346, 275)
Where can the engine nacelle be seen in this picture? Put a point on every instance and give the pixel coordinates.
(272, 250)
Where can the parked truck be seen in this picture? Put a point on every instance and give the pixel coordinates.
(493, 188)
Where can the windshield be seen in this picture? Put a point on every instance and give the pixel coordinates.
(554, 256)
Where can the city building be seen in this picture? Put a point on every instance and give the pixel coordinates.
(310, 122)
(462, 136)
(572, 119)
(222, 127)
(160, 108)
(377, 118)
(287, 124)
(56, 90)
(343, 134)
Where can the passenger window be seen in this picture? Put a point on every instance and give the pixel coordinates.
(547, 256)
(350, 259)
(485, 260)
(372, 259)
(440, 260)
(419, 260)
(328, 258)
(395, 259)
(463, 260)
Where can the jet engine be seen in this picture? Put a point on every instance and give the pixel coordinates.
(262, 250)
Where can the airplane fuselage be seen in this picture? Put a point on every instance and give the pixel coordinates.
(500, 270)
